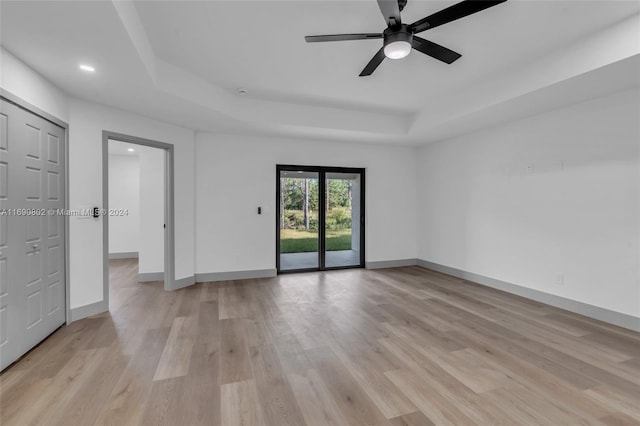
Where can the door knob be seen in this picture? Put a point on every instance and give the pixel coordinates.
(35, 246)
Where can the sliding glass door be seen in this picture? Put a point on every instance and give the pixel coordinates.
(320, 218)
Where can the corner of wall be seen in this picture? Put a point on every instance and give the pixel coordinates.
(20, 80)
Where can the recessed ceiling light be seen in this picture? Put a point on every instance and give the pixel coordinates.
(130, 149)
(87, 68)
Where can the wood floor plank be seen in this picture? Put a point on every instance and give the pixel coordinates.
(293, 357)
(526, 413)
(200, 399)
(208, 292)
(208, 328)
(537, 354)
(315, 400)
(12, 411)
(591, 325)
(452, 395)
(413, 419)
(427, 399)
(279, 406)
(619, 401)
(235, 365)
(85, 405)
(619, 419)
(233, 302)
(51, 399)
(515, 373)
(371, 378)
(573, 346)
(128, 399)
(240, 404)
(353, 402)
(163, 406)
(399, 346)
(46, 361)
(176, 355)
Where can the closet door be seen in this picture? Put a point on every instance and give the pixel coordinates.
(32, 274)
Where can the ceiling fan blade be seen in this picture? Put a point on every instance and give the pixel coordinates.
(434, 50)
(390, 12)
(451, 13)
(342, 37)
(373, 63)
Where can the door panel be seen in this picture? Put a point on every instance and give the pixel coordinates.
(342, 223)
(33, 180)
(299, 246)
(4, 174)
(34, 262)
(4, 322)
(32, 291)
(4, 142)
(53, 145)
(34, 309)
(32, 141)
(33, 228)
(53, 186)
(56, 297)
(54, 223)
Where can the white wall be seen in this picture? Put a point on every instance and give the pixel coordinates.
(22, 81)
(236, 174)
(87, 121)
(124, 193)
(551, 202)
(151, 196)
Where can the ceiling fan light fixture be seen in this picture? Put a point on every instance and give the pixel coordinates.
(397, 42)
(397, 49)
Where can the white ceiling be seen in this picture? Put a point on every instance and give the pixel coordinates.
(182, 62)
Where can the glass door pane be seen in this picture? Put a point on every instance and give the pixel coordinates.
(342, 219)
(298, 218)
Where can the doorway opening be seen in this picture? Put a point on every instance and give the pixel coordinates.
(320, 221)
(138, 212)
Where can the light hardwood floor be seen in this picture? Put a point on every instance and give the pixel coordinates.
(400, 346)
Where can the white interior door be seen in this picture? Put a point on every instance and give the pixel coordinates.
(32, 273)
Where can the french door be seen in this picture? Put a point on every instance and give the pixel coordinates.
(320, 220)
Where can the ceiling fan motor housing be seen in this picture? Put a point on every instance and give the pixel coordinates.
(401, 33)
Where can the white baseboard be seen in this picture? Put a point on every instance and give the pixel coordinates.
(612, 317)
(124, 255)
(391, 263)
(235, 275)
(150, 276)
(88, 310)
(183, 282)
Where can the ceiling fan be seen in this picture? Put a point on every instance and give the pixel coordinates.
(399, 38)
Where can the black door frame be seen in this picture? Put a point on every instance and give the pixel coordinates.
(322, 173)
